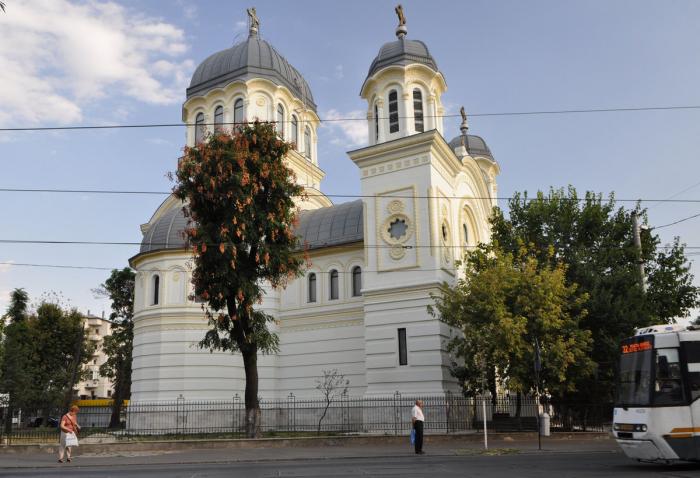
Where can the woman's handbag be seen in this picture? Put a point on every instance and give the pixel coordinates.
(413, 436)
(71, 439)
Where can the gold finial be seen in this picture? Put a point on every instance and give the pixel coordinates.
(401, 29)
(253, 21)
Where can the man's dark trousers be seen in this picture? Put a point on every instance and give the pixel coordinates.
(418, 427)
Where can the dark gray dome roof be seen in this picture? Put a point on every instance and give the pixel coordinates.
(252, 58)
(402, 52)
(475, 144)
(324, 227)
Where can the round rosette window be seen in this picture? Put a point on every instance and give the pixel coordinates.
(396, 230)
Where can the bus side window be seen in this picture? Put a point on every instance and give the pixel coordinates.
(694, 379)
(691, 350)
(668, 389)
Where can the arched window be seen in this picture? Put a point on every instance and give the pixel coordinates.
(238, 113)
(295, 132)
(199, 128)
(465, 233)
(218, 118)
(334, 285)
(356, 281)
(280, 120)
(156, 289)
(418, 110)
(376, 123)
(393, 112)
(307, 142)
(312, 287)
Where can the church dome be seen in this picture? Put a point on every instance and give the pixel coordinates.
(317, 228)
(252, 58)
(402, 52)
(475, 144)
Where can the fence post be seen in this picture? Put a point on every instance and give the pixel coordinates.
(293, 415)
(179, 414)
(236, 412)
(397, 397)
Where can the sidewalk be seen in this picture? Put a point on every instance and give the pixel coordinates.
(268, 450)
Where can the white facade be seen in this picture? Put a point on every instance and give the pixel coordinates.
(95, 385)
(424, 203)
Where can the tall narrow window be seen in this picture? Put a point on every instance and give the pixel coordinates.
(418, 110)
(403, 352)
(465, 233)
(376, 123)
(295, 132)
(393, 111)
(334, 285)
(238, 113)
(356, 281)
(307, 142)
(218, 118)
(156, 289)
(280, 120)
(199, 128)
(312, 287)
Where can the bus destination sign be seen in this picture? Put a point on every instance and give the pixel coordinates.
(637, 347)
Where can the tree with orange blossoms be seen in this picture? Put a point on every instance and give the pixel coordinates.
(239, 199)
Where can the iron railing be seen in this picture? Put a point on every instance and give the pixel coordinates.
(388, 415)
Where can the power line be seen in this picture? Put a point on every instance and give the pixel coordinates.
(311, 246)
(355, 196)
(96, 268)
(332, 120)
(678, 221)
(675, 195)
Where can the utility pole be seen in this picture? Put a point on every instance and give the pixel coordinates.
(638, 246)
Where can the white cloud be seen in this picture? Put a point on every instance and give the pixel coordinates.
(348, 129)
(6, 266)
(59, 55)
(240, 26)
(338, 72)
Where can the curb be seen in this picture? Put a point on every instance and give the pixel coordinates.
(239, 443)
(396, 456)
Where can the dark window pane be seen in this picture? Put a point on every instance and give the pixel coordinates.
(312, 287)
(376, 124)
(295, 132)
(199, 128)
(418, 110)
(334, 285)
(238, 113)
(356, 281)
(156, 289)
(393, 112)
(218, 118)
(280, 120)
(403, 352)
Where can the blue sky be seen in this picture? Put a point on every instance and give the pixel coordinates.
(68, 62)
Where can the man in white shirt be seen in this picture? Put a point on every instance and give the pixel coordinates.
(418, 418)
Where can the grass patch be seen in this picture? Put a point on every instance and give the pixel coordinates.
(489, 452)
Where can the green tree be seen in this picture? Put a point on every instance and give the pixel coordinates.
(503, 303)
(16, 375)
(119, 287)
(594, 239)
(238, 194)
(61, 351)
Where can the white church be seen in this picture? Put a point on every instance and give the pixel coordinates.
(361, 307)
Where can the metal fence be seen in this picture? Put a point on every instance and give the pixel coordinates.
(346, 415)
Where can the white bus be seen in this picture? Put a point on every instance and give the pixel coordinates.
(657, 414)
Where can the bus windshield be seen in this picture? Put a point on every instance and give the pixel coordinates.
(634, 388)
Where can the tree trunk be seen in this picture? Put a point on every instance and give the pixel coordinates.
(252, 406)
(118, 400)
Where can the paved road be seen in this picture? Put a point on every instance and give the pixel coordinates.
(526, 465)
